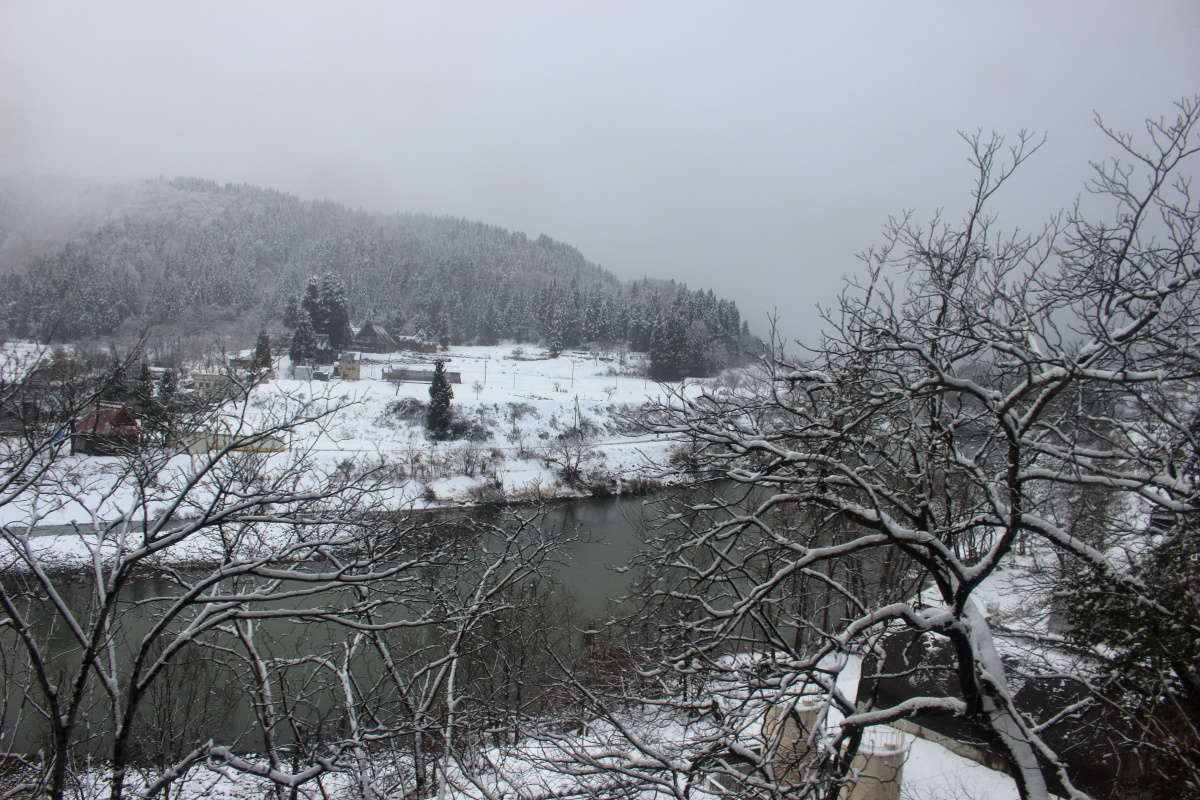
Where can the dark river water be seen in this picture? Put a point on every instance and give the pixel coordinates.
(608, 531)
(611, 532)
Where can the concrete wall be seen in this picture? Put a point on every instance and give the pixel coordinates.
(970, 752)
(419, 376)
(793, 734)
(878, 768)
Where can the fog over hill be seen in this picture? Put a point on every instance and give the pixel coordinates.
(188, 256)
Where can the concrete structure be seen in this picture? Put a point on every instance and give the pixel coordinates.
(877, 770)
(791, 729)
(970, 752)
(418, 376)
(199, 442)
(214, 385)
(350, 367)
(415, 344)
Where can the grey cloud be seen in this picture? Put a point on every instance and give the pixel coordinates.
(747, 147)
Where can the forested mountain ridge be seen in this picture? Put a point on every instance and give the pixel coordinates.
(94, 259)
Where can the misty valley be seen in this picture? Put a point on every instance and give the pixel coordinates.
(305, 501)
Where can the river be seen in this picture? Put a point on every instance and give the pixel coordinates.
(198, 701)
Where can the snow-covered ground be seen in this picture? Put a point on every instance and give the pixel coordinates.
(931, 772)
(517, 401)
(571, 764)
(522, 403)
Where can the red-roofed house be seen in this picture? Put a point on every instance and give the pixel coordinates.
(106, 429)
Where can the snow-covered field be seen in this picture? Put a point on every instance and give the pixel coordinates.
(522, 403)
(518, 408)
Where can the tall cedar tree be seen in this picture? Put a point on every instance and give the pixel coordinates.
(335, 312)
(262, 351)
(291, 312)
(166, 388)
(1151, 672)
(115, 389)
(144, 396)
(304, 341)
(312, 307)
(164, 407)
(326, 307)
(440, 415)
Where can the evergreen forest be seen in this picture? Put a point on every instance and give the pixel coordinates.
(190, 256)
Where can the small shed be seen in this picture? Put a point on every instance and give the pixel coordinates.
(350, 366)
(214, 385)
(418, 376)
(58, 372)
(107, 429)
(199, 442)
(415, 344)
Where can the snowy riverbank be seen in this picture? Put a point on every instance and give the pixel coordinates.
(539, 429)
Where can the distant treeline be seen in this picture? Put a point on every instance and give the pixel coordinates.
(201, 248)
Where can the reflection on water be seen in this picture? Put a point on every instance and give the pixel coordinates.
(208, 689)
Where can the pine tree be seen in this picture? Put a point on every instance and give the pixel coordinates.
(555, 334)
(114, 389)
(144, 396)
(440, 393)
(335, 312)
(669, 355)
(312, 307)
(262, 351)
(164, 406)
(167, 386)
(291, 312)
(304, 341)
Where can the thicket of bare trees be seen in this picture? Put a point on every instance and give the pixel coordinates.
(981, 400)
(240, 611)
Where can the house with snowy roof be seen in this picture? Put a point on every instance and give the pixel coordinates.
(373, 338)
(105, 429)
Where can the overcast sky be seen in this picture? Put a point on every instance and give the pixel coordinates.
(751, 148)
